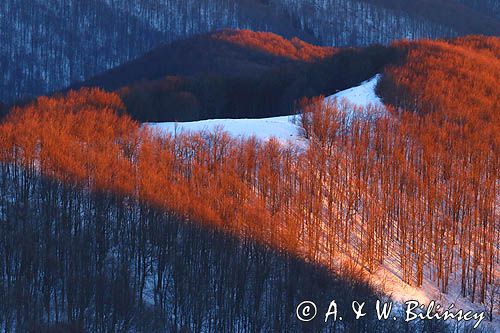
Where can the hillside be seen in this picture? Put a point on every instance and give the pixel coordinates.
(134, 277)
(452, 85)
(464, 16)
(439, 75)
(48, 45)
(228, 53)
(236, 74)
(407, 198)
(286, 129)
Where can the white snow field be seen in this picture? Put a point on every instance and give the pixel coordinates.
(362, 96)
(285, 128)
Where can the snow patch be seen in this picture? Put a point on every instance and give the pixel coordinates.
(361, 96)
(286, 129)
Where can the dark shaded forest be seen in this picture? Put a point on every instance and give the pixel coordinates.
(48, 45)
(3, 110)
(273, 93)
(237, 74)
(227, 53)
(74, 261)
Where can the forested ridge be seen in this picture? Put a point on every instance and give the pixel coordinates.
(229, 53)
(109, 227)
(48, 45)
(236, 74)
(418, 187)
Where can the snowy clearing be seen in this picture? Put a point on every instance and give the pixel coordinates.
(362, 96)
(286, 129)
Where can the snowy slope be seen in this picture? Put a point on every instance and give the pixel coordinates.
(363, 95)
(286, 128)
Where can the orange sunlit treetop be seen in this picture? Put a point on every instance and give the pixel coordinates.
(295, 48)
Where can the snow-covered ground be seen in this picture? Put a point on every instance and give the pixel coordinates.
(286, 128)
(362, 96)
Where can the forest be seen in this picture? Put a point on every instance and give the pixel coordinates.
(109, 227)
(47, 45)
(417, 186)
(74, 261)
(228, 53)
(236, 74)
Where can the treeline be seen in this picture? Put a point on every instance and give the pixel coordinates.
(106, 227)
(270, 43)
(226, 53)
(48, 45)
(409, 188)
(259, 93)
